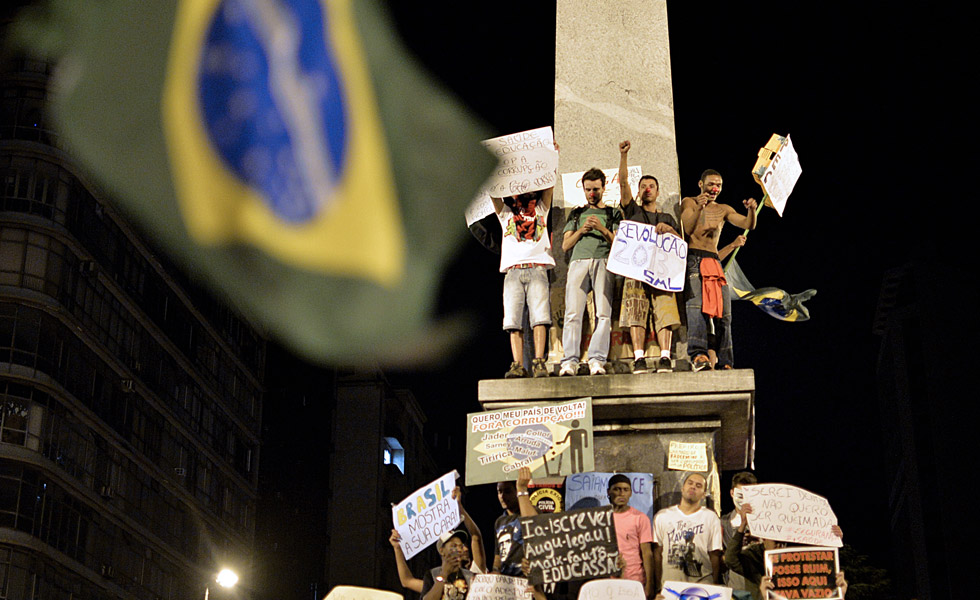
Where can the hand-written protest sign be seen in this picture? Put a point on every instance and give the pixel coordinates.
(790, 514)
(425, 514)
(576, 544)
(587, 490)
(640, 253)
(807, 572)
(498, 587)
(350, 592)
(612, 589)
(683, 589)
(573, 195)
(684, 456)
(781, 175)
(526, 162)
(551, 439)
(480, 207)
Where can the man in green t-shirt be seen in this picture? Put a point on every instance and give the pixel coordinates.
(588, 235)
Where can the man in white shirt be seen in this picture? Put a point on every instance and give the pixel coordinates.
(687, 538)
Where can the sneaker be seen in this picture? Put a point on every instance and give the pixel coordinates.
(516, 370)
(640, 366)
(701, 363)
(724, 368)
(664, 365)
(596, 368)
(538, 368)
(568, 368)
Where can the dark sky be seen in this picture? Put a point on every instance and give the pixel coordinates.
(871, 101)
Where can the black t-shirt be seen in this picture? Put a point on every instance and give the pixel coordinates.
(634, 212)
(452, 590)
(509, 544)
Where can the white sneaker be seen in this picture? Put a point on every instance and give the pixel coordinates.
(568, 368)
(596, 368)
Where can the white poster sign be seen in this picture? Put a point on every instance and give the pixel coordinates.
(684, 456)
(427, 512)
(350, 592)
(480, 207)
(612, 589)
(787, 513)
(498, 587)
(638, 252)
(526, 162)
(780, 176)
(573, 196)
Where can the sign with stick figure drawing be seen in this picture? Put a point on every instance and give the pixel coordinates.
(552, 439)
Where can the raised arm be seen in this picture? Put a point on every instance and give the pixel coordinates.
(523, 496)
(625, 194)
(476, 539)
(405, 575)
(546, 197)
(746, 221)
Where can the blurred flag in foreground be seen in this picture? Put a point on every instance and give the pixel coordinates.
(287, 151)
(773, 301)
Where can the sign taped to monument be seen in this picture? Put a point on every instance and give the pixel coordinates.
(573, 196)
(687, 456)
(551, 439)
(586, 490)
(425, 514)
(526, 162)
(571, 545)
(781, 174)
(640, 253)
(786, 513)
(498, 587)
(807, 572)
(686, 590)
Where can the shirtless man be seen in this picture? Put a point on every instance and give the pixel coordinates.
(706, 294)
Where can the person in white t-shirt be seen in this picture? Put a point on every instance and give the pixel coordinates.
(687, 538)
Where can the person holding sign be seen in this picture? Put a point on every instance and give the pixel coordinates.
(525, 258)
(516, 502)
(639, 299)
(707, 290)
(588, 235)
(451, 581)
(633, 534)
(687, 538)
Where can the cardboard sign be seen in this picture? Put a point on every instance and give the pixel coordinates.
(526, 162)
(480, 207)
(640, 253)
(498, 587)
(425, 514)
(781, 175)
(587, 490)
(574, 196)
(552, 439)
(682, 590)
(790, 514)
(809, 572)
(612, 589)
(683, 456)
(576, 544)
(350, 592)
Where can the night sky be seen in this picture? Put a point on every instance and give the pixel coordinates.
(871, 101)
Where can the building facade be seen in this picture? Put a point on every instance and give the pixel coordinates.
(130, 402)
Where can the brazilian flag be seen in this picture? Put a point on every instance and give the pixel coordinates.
(773, 301)
(288, 152)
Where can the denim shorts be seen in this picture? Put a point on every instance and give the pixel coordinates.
(526, 285)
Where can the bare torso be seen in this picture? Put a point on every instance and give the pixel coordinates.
(707, 227)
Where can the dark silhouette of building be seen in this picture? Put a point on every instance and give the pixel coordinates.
(130, 401)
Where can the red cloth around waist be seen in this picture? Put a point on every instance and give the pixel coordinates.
(712, 280)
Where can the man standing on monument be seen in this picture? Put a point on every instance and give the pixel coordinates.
(638, 297)
(588, 235)
(687, 538)
(633, 534)
(707, 290)
(525, 258)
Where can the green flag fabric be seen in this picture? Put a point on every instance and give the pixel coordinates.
(287, 152)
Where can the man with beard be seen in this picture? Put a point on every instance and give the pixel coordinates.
(688, 538)
(638, 297)
(706, 292)
(509, 543)
(588, 235)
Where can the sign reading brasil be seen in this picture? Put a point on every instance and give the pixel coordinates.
(806, 572)
(640, 253)
(425, 514)
(787, 513)
(576, 544)
(551, 439)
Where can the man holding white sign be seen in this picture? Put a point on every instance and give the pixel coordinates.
(640, 299)
(707, 290)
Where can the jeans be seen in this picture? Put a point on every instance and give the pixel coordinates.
(697, 322)
(583, 275)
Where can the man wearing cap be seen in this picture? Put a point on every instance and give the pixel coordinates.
(633, 534)
(450, 581)
(516, 502)
(688, 538)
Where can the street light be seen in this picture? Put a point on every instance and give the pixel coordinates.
(226, 578)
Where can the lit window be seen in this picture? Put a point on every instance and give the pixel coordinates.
(393, 454)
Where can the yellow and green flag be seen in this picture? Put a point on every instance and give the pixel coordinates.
(772, 301)
(288, 152)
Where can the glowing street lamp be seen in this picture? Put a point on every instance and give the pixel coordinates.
(226, 578)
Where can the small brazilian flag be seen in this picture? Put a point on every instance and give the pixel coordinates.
(287, 151)
(773, 301)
